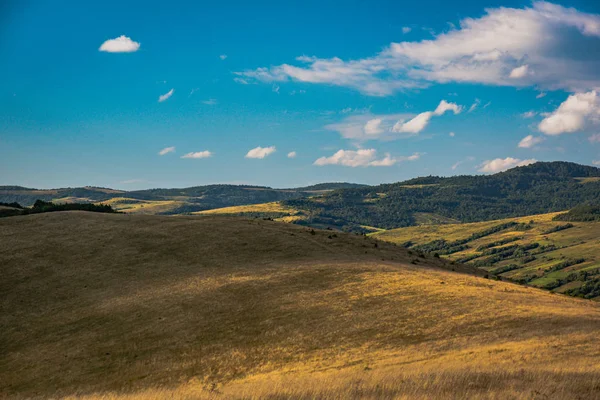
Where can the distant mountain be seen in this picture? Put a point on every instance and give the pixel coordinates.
(331, 186)
(183, 200)
(534, 189)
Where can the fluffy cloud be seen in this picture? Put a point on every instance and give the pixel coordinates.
(596, 162)
(529, 114)
(198, 154)
(366, 126)
(122, 44)
(291, 154)
(499, 164)
(573, 114)
(519, 72)
(530, 141)
(406, 29)
(418, 123)
(363, 158)
(165, 97)
(166, 150)
(545, 45)
(452, 134)
(373, 126)
(261, 152)
(223, 56)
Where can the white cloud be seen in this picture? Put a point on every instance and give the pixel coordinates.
(452, 134)
(373, 126)
(418, 123)
(519, 72)
(261, 152)
(595, 138)
(241, 81)
(445, 106)
(198, 154)
(122, 44)
(406, 29)
(499, 164)
(546, 45)
(530, 141)
(363, 158)
(540, 95)
(596, 162)
(573, 114)
(275, 89)
(459, 163)
(291, 154)
(354, 126)
(164, 97)
(210, 102)
(166, 150)
(223, 56)
(529, 114)
(474, 105)
(387, 126)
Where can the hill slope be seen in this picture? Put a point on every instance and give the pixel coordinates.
(539, 249)
(104, 305)
(534, 189)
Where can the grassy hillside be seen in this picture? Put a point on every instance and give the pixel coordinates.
(129, 306)
(540, 250)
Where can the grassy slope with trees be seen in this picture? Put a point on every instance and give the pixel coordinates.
(534, 189)
(539, 250)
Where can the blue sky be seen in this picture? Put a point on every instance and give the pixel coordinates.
(366, 92)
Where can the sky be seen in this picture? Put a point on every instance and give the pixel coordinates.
(135, 95)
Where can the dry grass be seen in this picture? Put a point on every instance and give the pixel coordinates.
(145, 207)
(273, 207)
(582, 240)
(102, 306)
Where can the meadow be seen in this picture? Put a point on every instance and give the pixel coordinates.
(116, 306)
(537, 250)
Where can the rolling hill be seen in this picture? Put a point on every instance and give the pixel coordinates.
(533, 189)
(167, 201)
(540, 250)
(117, 306)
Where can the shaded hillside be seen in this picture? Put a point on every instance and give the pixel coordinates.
(113, 305)
(534, 189)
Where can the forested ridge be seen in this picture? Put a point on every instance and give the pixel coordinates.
(534, 189)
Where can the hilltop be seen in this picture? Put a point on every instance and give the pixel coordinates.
(130, 306)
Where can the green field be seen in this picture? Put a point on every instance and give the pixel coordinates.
(531, 251)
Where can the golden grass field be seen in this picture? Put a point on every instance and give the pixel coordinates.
(580, 241)
(147, 207)
(288, 214)
(113, 306)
